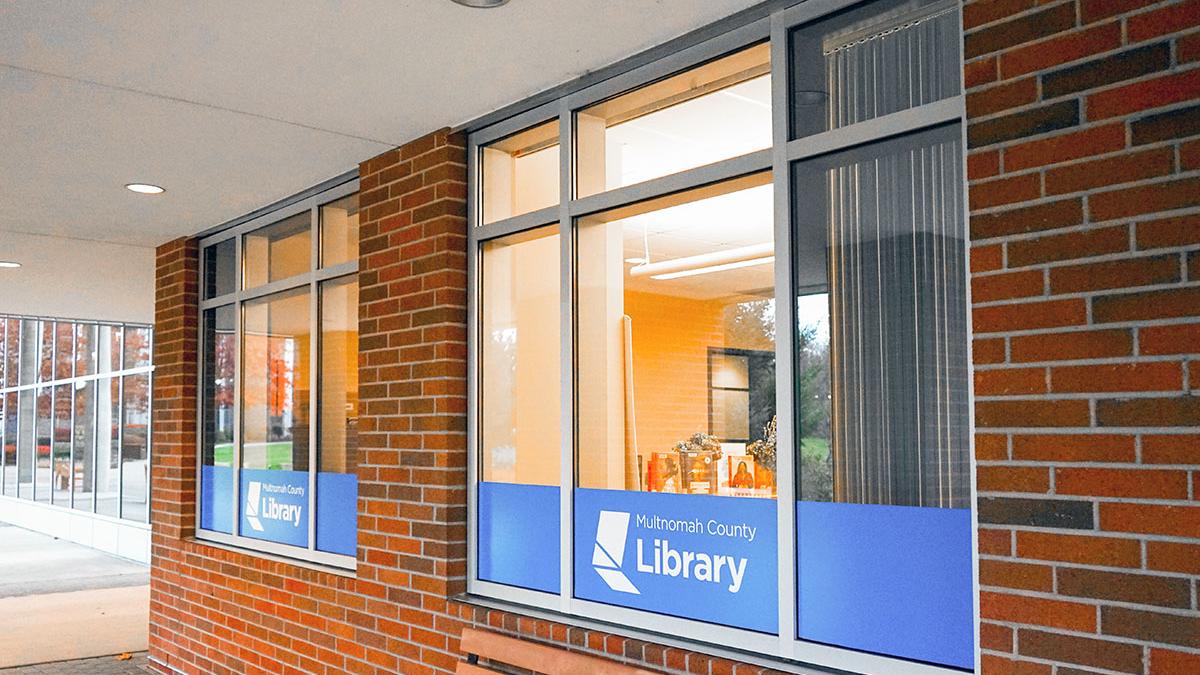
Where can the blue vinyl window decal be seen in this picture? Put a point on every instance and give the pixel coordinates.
(702, 557)
(275, 506)
(612, 530)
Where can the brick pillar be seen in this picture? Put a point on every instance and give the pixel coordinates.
(1085, 199)
(412, 385)
(173, 470)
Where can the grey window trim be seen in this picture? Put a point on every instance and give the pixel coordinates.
(525, 221)
(774, 23)
(878, 129)
(717, 172)
(309, 201)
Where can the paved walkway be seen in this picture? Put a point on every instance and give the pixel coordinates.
(61, 601)
(105, 665)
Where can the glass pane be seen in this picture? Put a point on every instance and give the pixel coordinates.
(693, 278)
(520, 389)
(519, 374)
(11, 470)
(85, 349)
(339, 231)
(63, 435)
(278, 251)
(730, 415)
(43, 440)
(108, 447)
(109, 349)
(12, 354)
(5, 471)
(135, 448)
(275, 405)
(64, 351)
(883, 394)
(520, 173)
(27, 408)
(337, 451)
(676, 296)
(45, 351)
(872, 60)
(137, 347)
(716, 111)
(30, 346)
(892, 231)
(217, 400)
(220, 268)
(83, 470)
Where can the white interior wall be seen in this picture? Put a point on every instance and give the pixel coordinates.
(77, 279)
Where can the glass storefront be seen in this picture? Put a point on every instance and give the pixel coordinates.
(75, 414)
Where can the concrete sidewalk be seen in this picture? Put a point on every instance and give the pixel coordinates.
(104, 665)
(60, 600)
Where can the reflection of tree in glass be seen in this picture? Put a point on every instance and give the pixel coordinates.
(813, 421)
(752, 325)
(500, 371)
(137, 347)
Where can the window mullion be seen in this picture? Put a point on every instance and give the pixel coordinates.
(566, 240)
(235, 491)
(71, 434)
(314, 347)
(785, 475)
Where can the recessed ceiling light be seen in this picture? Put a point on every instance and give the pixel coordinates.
(144, 188)
(481, 4)
(9, 264)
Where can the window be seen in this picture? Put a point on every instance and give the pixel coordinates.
(520, 371)
(279, 383)
(723, 392)
(713, 112)
(884, 463)
(60, 390)
(521, 173)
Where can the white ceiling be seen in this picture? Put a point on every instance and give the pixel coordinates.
(231, 105)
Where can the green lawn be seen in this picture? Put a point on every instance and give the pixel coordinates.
(279, 454)
(814, 449)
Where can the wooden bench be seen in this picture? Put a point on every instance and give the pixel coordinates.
(539, 658)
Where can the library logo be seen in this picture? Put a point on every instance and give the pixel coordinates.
(611, 532)
(252, 494)
(260, 508)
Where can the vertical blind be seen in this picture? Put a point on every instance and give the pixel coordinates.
(899, 324)
(898, 61)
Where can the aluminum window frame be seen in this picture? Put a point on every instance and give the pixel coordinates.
(96, 378)
(311, 280)
(783, 649)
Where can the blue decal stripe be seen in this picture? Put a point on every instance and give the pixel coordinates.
(518, 535)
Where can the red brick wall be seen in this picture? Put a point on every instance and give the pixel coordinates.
(222, 611)
(1085, 226)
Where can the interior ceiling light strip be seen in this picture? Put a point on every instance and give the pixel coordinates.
(671, 269)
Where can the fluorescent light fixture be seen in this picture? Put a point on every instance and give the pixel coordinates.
(9, 264)
(704, 263)
(636, 261)
(481, 4)
(715, 268)
(144, 188)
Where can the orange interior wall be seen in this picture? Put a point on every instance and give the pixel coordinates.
(671, 337)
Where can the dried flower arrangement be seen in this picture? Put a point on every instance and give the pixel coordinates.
(763, 451)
